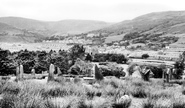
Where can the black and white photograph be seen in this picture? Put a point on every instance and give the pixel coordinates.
(92, 54)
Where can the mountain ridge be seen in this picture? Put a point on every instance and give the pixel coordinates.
(54, 26)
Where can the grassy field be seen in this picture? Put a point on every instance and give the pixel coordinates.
(100, 94)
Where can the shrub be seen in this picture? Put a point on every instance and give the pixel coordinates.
(11, 88)
(81, 68)
(7, 101)
(100, 102)
(57, 90)
(92, 92)
(112, 70)
(118, 58)
(125, 104)
(164, 103)
(136, 87)
(144, 56)
(179, 66)
(163, 93)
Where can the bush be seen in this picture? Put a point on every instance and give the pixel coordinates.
(179, 66)
(125, 104)
(164, 103)
(11, 88)
(118, 58)
(81, 68)
(112, 70)
(136, 87)
(164, 93)
(144, 56)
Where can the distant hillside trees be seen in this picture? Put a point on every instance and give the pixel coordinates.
(77, 51)
(118, 58)
(41, 60)
(179, 66)
(26, 58)
(6, 65)
(88, 57)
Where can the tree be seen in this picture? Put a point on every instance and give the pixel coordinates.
(27, 59)
(179, 66)
(88, 57)
(77, 51)
(6, 66)
(145, 56)
(41, 62)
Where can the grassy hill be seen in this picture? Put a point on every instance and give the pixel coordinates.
(149, 28)
(15, 29)
(48, 28)
(9, 33)
(168, 22)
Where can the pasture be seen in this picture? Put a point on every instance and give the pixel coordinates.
(35, 93)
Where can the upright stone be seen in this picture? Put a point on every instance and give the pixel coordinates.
(17, 72)
(33, 72)
(137, 72)
(58, 71)
(51, 72)
(168, 74)
(98, 75)
(21, 72)
(93, 71)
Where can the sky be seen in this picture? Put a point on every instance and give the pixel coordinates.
(102, 10)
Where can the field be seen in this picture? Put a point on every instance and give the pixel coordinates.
(111, 92)
(35, 46)
(47, 46)
(99, 94)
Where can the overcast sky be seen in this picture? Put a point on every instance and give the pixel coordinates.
(103, 10)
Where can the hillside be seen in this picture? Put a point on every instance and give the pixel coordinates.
(168, 22)
(158, 27)
(9, 33)
(48, 28)
(76, 26)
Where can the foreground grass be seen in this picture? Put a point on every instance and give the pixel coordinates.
(104, 94)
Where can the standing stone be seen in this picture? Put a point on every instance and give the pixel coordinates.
(21, 72)
(51, 72)
(93, 71)
(33, 72)
(137, 72)
(17, 72)
(98, 75)
(168, 74)
(58, 71)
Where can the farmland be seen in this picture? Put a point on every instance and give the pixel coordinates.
(131, 64)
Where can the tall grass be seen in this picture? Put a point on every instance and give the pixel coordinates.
(61, 94)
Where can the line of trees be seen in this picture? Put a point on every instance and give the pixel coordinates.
(118, 58)
(40, 60)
